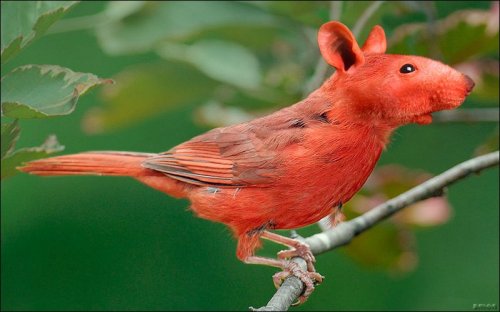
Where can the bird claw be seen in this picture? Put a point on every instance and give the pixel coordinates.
(309, 279)
(300, 250)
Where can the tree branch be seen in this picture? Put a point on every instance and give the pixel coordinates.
(346, 231)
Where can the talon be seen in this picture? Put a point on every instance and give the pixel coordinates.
(316, 277)
(280, 277)
(300, 301)
(300, 250)
(308, 278)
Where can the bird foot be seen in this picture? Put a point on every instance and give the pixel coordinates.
(302, 250)
(309, 279)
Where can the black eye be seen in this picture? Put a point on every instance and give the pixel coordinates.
(407, 68)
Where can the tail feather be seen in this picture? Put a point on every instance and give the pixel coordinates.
(90, 163)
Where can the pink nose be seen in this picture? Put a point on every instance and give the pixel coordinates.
(470, 83)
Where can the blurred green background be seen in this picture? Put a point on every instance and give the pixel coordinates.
(105, 243)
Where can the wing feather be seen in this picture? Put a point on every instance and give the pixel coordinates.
(243, 155)
(217, 158)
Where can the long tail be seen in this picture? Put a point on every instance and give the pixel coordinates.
(90, 163)
(109, 163)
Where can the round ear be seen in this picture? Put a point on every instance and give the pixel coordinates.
(339, 47)
(375, 43)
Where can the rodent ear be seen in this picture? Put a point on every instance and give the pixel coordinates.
(339, 47)
(375, 43)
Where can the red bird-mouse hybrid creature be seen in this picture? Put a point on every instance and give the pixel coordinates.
(293, 167)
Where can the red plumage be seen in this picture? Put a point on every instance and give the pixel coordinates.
(295, 166)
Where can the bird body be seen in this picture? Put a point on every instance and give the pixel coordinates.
(293, 167)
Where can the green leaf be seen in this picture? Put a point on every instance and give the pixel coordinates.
(457, 38)
(25, 21)
(147, 25)
(310, 13)
(10, 134)
(220, 60)
(144, 91)
(258, 38)
(17, 158)
(38, 91)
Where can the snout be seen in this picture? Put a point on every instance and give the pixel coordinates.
(451, 91)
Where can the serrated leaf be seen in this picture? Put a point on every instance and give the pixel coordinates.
(220, 60)
(149, 24)
(39, 91)
(145, 91)
(25, 21)
(10, 134)
(18, 157)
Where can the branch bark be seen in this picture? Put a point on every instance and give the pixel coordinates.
(345, 232)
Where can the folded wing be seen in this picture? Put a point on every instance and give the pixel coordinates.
(221, 157)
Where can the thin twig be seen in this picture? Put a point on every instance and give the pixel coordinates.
(321, 68)
(346, 231)
(363, 19)
(335, 10)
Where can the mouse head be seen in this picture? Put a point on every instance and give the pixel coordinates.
(387, 88)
